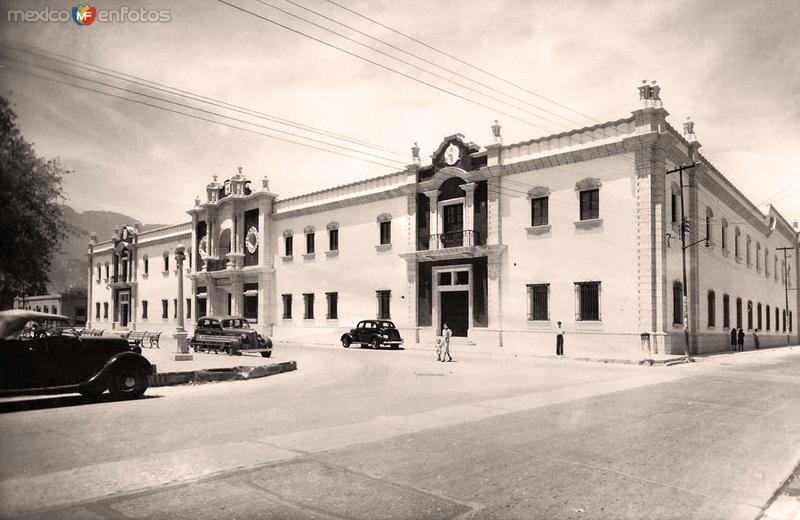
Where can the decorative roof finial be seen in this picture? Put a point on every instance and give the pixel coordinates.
(197, 200)
(240, 170)
(688, 129)
(654, 92)
(215, 178)
(415, 154)
(498, 138)
(265, 183)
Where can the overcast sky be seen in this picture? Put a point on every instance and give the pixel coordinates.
(733, 66)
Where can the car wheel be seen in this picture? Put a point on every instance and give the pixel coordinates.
(266, 354)
(375, 343)
(128, 382)
(228, 351)
(346, 342)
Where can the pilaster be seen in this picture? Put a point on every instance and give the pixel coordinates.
(433, 196)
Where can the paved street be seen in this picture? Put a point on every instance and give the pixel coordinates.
(359, 433)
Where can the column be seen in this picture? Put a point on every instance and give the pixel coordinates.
(237, 287)
(211, 293)
(493, 231)
(433, 225)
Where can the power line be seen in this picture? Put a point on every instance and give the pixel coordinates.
(462, 61)
(381, 65)
(74, 62)
(193, 116)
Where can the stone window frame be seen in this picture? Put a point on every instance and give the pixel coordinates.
(758, 256)
(766, 261)
(737, 246)
(145, 266)
(332, 226)
(287, 233)
(310, 230)
(749, 257)
(383, 218)
(724, 237)
(539, 192)
(588, 184)
(165, 259)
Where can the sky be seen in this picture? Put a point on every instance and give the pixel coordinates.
(733, 66)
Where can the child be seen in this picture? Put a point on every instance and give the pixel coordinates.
(439, 349)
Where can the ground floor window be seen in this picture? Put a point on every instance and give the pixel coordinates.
(201, 307)
(677, 303)
(538, 308)
(97, 310)
(758, 317)
(738, 313)
(164, 309)
(144, 309)
(105, 310)
(188, 307)
(768, 318)
(308, 306)
(726, 310)
(712, 303)
(384, 299)
(333, 305)
(287, 306)
(588, 301)
(777, 319)
(175, 308)
(749, 315)
(250, 301)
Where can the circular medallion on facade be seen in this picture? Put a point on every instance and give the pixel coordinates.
(251, 242)
(451, 154)
(202, 247)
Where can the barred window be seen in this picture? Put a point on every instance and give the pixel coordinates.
(712, 303)
(384, 299)
(333, 305)
(777, 319)
(784, 320)
(308, 306)
(538, 308)
(539, 211)
(287, 306)
(588, 294)
(677, 303)
(590, 204)
(726, 311)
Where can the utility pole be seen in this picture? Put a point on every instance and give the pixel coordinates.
(680, 170)
(786, 291)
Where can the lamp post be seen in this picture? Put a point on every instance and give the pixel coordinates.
(182, 351)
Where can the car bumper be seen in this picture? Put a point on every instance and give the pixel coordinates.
(391, 342)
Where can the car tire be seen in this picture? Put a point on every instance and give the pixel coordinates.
(346, 342)
(375, 343)
(128, 382)
(266, 354)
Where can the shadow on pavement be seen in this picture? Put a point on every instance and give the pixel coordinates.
(62, 401)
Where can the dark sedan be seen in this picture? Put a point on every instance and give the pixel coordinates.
(39, 355)
(374, 334)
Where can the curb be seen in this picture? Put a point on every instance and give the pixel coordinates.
(214, 375)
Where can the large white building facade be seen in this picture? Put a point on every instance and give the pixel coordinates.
(500, 242)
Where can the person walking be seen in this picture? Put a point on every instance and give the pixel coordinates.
(446, 334)
(734, 334)
(438, 349)
(559, 340)
(756, 343)
(741, 340)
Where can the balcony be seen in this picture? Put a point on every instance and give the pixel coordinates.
(465, 238)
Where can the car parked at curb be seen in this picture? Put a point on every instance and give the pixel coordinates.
(229, 334)
(374, 334)
(40, 355)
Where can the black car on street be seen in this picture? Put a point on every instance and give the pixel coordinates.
(373, 334)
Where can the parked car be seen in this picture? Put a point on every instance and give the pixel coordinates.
(39, 354)
(229, 334)
(373, 333)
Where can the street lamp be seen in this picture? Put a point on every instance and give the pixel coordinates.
(182, 351)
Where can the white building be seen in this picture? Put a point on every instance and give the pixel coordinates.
(500, 242)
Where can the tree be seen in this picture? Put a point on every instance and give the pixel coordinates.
(31, 223)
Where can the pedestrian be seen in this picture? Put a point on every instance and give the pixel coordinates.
(755, 339)
(446, 335)
(438, 349)
(559, 340)
(741, 340)
(734, 334)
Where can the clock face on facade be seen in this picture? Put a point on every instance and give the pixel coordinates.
(451, 154)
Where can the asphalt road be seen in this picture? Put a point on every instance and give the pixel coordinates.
(370, 434)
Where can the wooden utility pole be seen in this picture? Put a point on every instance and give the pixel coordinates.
(786, 291)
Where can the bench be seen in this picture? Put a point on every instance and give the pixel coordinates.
(136, 338)
(93, 332)
(152, 337)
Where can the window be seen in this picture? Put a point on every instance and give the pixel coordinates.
(736, 236)
(775, 266)
(738, 313)
(105, 310)
(189, 257)
(673, 204)
(749, 315)
(164, 309)
(144, 309)
(590, 204)
(790, 321)
(287, 242)
(333, 239)
(768, 317)
(333, 305)
(749, 262)
(188, 307)
(98, 275)
(146, 265)
(777, 319)
(538, 302)
(250, 301)
(758, 317)
(97, 309)
(724, 235)
(106, 271)
(677, 303)
(287, 306)
(539, 211)
(712, 302)
(310, 243)
(386, 232)
(758, 256)
(384, 298)
(166, 262)
(784, 320)
(308, 306)
(709, 217)
(174, 307)
(726, 311)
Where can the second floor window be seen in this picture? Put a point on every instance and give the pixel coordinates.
(539, 211)
(590, 204)
(145, 265)
(333, 240)
(386, 232)
(288, 245)
(310, 243)
(164, 309)
(166, 262)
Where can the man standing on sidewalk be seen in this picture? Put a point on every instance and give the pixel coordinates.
(741, 340)
(446, 334)
(559, 340)
(733, 339)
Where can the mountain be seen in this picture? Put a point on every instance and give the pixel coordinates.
(69, 265)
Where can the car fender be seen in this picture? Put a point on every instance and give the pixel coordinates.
(348, 336)
(99, 380)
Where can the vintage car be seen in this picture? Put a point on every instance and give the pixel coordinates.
(229, 334)
(374, 334)
(39, 354)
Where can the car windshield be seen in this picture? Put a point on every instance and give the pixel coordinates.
(235, 323)
(39, 328)
(387, 324)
